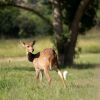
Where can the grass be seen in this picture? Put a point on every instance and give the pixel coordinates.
(88, 58)
(17, 80)
(17, 83)
(90, 43)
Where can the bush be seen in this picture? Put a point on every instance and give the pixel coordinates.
(8, 26)
(16, 23)
(27, 27)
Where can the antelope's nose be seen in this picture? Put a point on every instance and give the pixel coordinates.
(31, 49)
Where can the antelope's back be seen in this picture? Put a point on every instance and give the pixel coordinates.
(48, 53)
(47, 58)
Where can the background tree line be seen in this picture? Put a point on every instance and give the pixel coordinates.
(15, 23)
(68, 19)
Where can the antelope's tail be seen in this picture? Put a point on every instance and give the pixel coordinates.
(63, 76)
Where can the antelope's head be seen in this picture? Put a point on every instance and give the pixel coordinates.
(29, 46)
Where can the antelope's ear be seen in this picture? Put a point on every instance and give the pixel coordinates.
(33, 42)
(22, 43)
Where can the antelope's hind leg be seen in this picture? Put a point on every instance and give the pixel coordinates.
(46, 72)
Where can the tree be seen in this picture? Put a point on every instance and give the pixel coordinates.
(72, 13)
(74, 29)
(66, 45)
(23, 5)
(58, 29)
(30, 26)
(8, 25)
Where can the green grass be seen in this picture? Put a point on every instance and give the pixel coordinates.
(10, 48)
(90, 43)
(89, 58)
(17, 82)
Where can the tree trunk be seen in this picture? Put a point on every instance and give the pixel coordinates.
(58, 29)
(70, 51)
(66, 49)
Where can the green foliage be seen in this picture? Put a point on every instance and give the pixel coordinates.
(5, 1)
(88, 20)
(20, 23)
(8, 26)
(29, 25)
(26, 26)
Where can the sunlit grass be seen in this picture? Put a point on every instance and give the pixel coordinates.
(89, 46)
(17, 82)
(89, 58)
(10, 48)
(90, 43)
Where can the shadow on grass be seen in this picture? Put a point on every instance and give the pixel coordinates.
(18, 69)
(74, 66)
(85, 66)
(81, 66)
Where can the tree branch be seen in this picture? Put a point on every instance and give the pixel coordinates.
(28, 8)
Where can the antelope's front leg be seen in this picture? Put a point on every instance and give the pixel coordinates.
(37, 73)
(41, 75)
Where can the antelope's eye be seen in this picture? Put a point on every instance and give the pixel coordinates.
(28, 46)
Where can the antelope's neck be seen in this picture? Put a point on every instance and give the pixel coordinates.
(30, 56)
